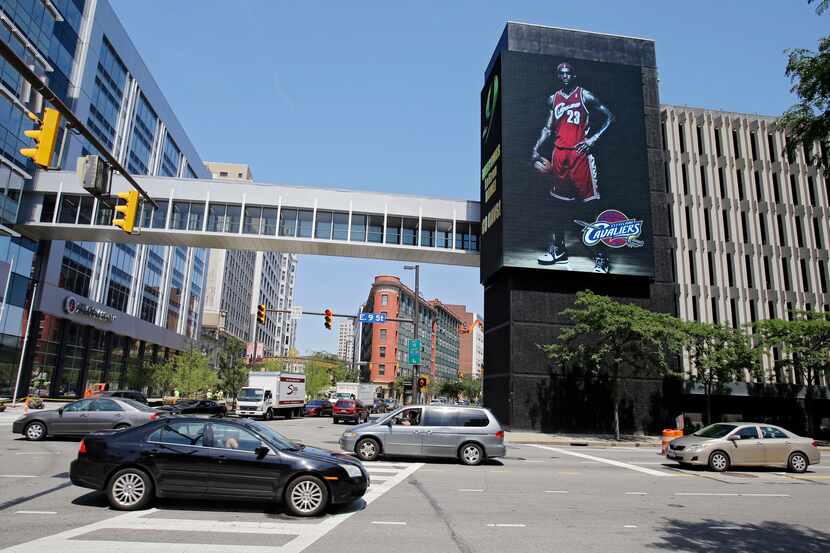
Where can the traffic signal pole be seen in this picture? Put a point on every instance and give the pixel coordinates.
(71, 120)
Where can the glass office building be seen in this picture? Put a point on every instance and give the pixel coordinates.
(122, 306)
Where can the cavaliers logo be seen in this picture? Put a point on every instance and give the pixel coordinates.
(613, 228)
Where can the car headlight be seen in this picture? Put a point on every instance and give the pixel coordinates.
(695, 449)
(349, 434)
(352, 470)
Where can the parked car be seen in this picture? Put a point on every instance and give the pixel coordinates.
(350, 410)
(723, 445)
(318, 408)
(469, 434)
(236, 459)
(129, 394)
(84, 416)
(195, 407)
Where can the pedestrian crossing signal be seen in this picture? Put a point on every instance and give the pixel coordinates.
(329, 317)
(261, 312)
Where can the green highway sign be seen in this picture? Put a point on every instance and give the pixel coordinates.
(414, 357)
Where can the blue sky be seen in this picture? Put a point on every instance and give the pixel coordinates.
(384, 95)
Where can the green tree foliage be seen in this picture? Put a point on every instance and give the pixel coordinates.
(718, 354)
(615, 340)
(805, 349)
(451, 388)
(808, 122)
(233, 373)
(321, 370)
(399, 387)
(163, 378)
(471, 388)
(193, 375)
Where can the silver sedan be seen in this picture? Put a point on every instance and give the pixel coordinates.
(84, 416)
(723, 445)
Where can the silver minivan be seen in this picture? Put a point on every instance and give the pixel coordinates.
(470, 434)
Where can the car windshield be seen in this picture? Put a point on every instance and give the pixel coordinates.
(344, 404)
(315, 403)
(715, 430)
(251, 394)
(136, 405)
(274, 437)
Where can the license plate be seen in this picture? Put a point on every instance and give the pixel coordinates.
(671, 455)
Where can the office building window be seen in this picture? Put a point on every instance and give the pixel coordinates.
(688, 223)
(714, 310)
(817, 233)
(744, 229)
(729, 270)
(383, 333)
(776, 189)
(771, 309)
(759, 196)
(381, 369)
(722, 182)
(753, 144)
(703, 188)
(733, 311)
(799, 235)
(740, 181)
(681, 138)
(711, 259)
(772, 152)
(699, 132)
(811, 190)
(794, 189)
(822, 276)
(767, 274)
(692, 276)
(781, 233)
(805, 279)
(695, 314)
(762, 224)
(718, 151)
(707, 227)
(726, 233)
(753, 311)
(748, 265)
(785, 270)
(735, 144)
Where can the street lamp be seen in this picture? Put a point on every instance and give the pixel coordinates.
(415, 371)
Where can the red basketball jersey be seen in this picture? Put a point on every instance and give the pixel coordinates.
(570, 118)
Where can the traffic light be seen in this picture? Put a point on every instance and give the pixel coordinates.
(329, 316)
(423, 382)
(260, 313)
(125, 213)
(45, 138)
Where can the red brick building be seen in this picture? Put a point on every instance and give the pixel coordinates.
(385, 346)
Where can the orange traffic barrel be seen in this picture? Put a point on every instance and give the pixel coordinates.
(668, 435)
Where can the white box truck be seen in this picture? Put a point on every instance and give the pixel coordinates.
(271, 394)
(364, 393)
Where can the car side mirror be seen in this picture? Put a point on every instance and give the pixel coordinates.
(262, 451)
(60, 411)
(734, 438)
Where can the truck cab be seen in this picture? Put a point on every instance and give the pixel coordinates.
(254, 402)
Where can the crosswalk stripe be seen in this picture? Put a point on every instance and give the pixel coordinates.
(301, 535)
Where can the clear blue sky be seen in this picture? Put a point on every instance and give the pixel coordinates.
(384, 95)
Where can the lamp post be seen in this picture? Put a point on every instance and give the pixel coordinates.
(417, 317)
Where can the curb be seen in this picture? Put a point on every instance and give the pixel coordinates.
(584, 443)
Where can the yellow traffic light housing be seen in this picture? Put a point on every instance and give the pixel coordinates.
(261, 313)
(45, 137)
(329, 316)
(125, 213)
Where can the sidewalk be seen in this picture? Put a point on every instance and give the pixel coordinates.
(590, 440)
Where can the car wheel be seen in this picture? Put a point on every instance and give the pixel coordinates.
(269, 415)
(336, 421)
(130, 490)
(719, 461)
(471, 454)
(798, 463)
(367, 449)
(306, 496)
(122, 426)
(35, 431)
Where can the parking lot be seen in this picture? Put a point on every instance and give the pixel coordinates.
(537, 498)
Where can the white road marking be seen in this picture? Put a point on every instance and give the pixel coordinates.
(765, 495)
(18, 476)
(629, 526)
(37, 453)
(556, 491)
(534, 461)
(469, 490)
(306, 534)
(390, 522)
(636, 493)
(507, 525)
(379, 470)
(35, 512)
(620, 464)
(703, 494)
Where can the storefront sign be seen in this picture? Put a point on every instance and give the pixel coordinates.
(75, 307)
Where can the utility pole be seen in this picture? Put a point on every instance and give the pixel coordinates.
(416, 393)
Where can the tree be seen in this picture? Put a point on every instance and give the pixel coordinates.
(399, 387)
(232, 374)
(808, 122)
(193, 375)
(615, 340)
(471, 388)
(163, 378)
(451, 388)
(719, 354)
(805, 348)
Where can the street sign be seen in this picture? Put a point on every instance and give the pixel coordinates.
(372, 318)
(296, 313)
(414, 357)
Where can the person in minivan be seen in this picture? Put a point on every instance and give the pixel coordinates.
(410, 417)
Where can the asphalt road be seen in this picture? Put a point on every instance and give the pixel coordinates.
(539, 498)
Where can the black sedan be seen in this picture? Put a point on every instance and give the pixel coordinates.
(214, 459)
(318, 408)
(195, 407)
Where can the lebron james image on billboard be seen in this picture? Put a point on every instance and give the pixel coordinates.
(572, 167)
(575, 191)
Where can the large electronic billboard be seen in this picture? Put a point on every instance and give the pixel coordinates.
(572, 172)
